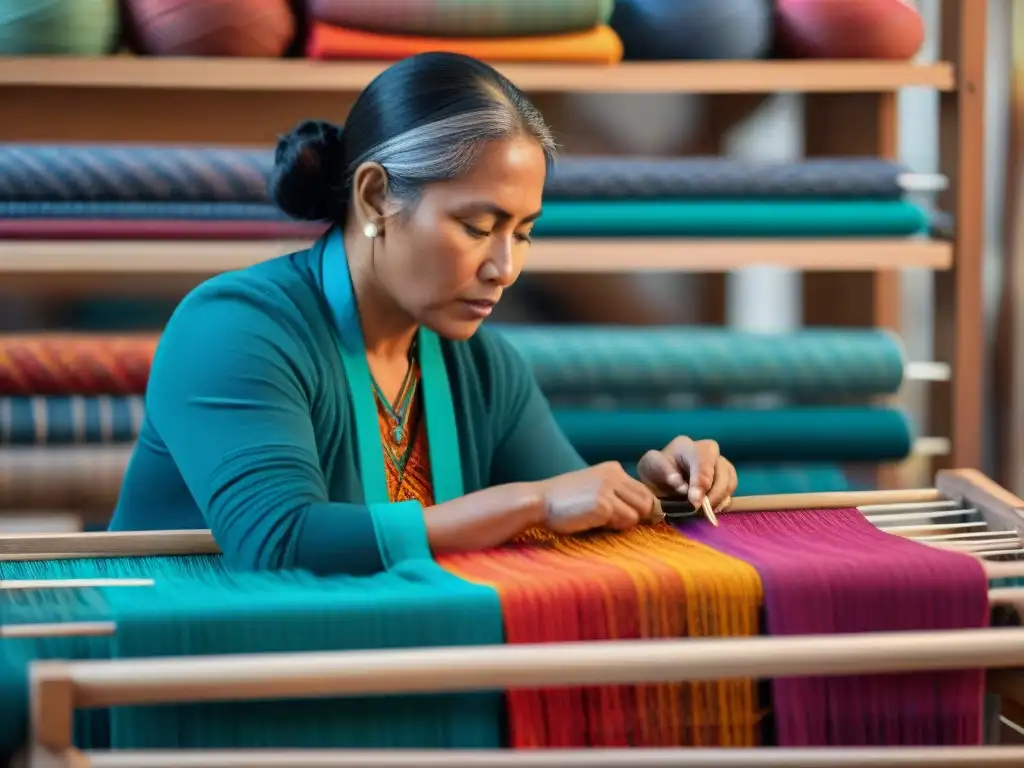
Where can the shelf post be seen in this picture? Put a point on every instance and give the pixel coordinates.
(865, 124)
(957, 409)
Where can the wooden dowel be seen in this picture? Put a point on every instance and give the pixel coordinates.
(1006, 596)
(129, 682)
(104, 544)
(1004, 570)
(26, 584)
(894, 757)
(200, 542)
(922, 182)
(58, 629)
(832, 500)
(911, 531)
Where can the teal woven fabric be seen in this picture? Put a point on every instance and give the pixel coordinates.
(196, 608)
(47, 606)
(767, 479)
(650, 362)
(415, 604)
(785, 434)
(730, 218)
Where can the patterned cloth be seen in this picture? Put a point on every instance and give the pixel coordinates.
(415, 483)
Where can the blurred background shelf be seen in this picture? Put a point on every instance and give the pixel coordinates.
(195, 74)
(203, 258)
(695, 285)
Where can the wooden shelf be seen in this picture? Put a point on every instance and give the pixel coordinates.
(809, 76)
(59, 258)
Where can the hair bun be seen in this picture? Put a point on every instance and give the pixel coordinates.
(307, 179)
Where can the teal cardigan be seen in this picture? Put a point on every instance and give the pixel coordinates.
(260, 423)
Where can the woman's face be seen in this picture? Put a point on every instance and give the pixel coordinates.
(448, 259)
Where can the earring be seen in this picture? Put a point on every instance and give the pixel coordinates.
(371, 230)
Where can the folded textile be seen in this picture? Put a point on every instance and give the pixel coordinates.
(582, 218)
(599, 45)
(162, 210)
(729, 218)
(129, 173)
(464, 18)
(713, 178)
(148, 229)
(833, 434)
(121, 173)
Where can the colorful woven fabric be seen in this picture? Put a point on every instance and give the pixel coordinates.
(74, 420)
(411, 483)
(816, 571)
(648, 583)
(831, 571)
(81, 365)
(599, 45)
(571, 363)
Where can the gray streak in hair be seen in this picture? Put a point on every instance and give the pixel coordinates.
(447, 148)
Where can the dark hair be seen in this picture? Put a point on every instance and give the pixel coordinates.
(424, 119)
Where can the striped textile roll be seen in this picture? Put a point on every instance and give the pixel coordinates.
(569, 362)
(746, 434)
(578, 218)
(629, 178)
(833, 434)
(65, 477)
(71, 364)
(73, 420)
(652, 362)
(115, 173)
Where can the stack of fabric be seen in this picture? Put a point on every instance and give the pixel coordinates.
(70, 410)
(71, 406)
(559, 31)
(115, 192)
(617, 392)
(165, 193)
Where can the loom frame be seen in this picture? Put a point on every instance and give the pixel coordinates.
(57, 688)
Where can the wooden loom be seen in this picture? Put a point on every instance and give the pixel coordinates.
(992, 531)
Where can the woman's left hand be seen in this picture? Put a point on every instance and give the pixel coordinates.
(691, 468)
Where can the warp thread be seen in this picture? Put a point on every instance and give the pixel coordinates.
(831, 571)
(813, 572)
(647, 583)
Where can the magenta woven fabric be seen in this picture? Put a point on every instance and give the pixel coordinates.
(831, 571)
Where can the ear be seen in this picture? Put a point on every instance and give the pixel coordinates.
(370, 193)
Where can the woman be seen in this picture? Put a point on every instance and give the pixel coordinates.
(338, 407)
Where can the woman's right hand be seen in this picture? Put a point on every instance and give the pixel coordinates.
(602, 496)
